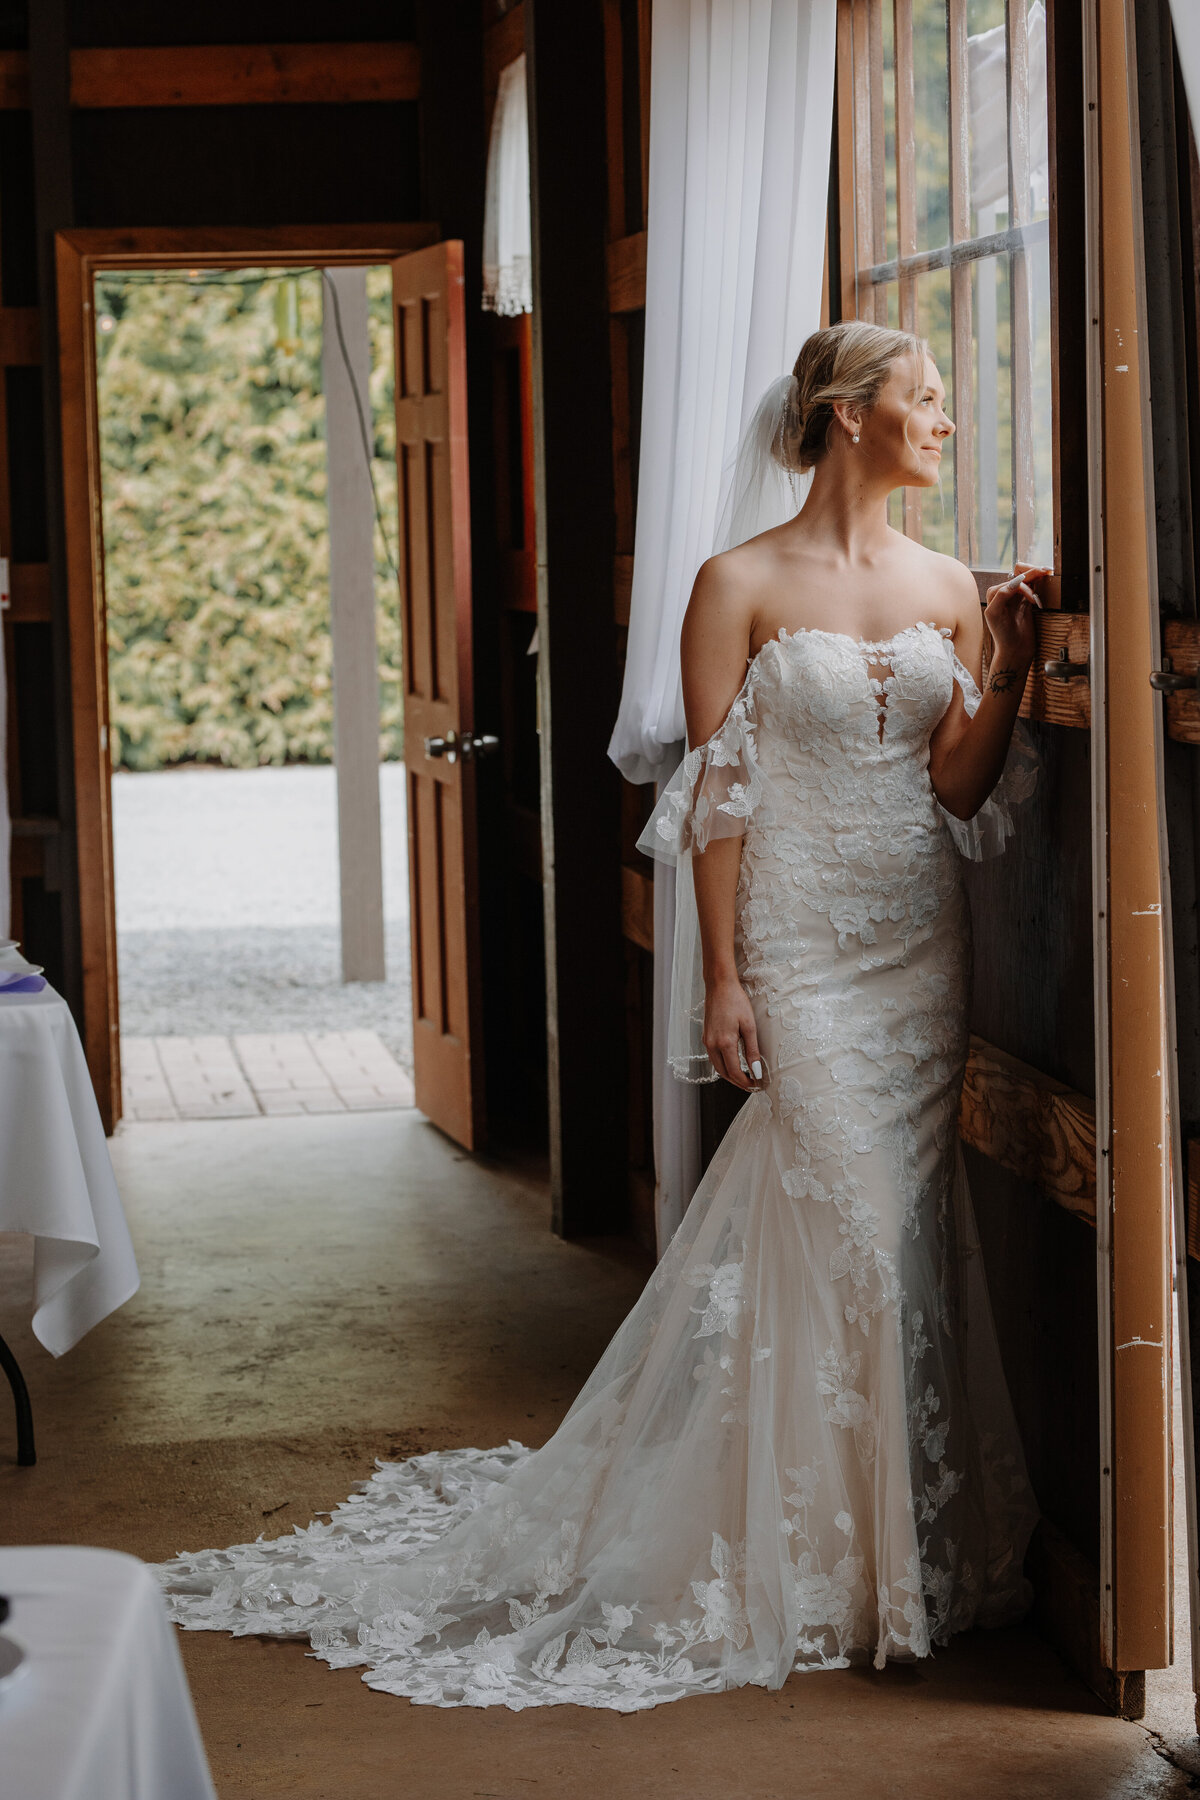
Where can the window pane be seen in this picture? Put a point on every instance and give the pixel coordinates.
(991, 377)
(931, 92)
(934, 325)
(987, 115)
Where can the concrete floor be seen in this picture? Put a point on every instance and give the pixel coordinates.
(321, 1291)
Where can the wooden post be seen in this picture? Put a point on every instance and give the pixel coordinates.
(345, 369)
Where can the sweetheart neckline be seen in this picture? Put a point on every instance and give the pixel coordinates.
(846, 637)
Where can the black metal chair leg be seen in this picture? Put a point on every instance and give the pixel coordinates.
(26, 1454)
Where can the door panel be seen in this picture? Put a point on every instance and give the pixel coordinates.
(434, 506)
(1135, 1116)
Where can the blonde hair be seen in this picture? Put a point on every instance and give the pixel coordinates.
(849, 361)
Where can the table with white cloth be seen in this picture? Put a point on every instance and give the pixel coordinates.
(56, 1180)
(101, 1709)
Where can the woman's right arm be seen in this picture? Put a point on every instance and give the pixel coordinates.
(714, 651)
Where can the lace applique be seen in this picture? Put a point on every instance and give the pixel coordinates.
(779, 1461)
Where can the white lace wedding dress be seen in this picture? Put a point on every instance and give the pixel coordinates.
(798, 1449)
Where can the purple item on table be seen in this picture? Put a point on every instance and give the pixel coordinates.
(28, 984)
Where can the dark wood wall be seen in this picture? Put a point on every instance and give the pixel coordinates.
(127, 165)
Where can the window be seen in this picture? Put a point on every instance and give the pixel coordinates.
(945, 230)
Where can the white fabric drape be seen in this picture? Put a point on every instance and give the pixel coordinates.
(507, 263)
(1185, 18)
(741, 112)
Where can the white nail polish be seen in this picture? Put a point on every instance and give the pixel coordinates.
(756, 1070)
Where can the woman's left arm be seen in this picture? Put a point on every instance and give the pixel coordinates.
(966, 755)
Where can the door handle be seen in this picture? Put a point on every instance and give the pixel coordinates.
(1063, 669)
(471, 743)
(1168, 680)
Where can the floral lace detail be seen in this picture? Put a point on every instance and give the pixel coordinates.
(781, 1461)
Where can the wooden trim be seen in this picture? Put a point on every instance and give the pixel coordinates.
(89, 676)
(1135, 1029)
(243, 246)
(637, 906)
(79, 254)
(1032, 1125)
(627, 273)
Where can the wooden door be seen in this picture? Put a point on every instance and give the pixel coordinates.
(1136, 1115)
(440, 745)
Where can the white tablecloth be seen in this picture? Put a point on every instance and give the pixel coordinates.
(102, 1711)
(56, 1180)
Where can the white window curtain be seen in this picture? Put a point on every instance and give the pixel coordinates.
(741, 113)
(507, 264)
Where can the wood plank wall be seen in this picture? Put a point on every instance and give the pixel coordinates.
(56, 85)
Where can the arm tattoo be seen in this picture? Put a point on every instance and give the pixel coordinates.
(1002, 681)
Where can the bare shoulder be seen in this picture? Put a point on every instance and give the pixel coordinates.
(722, 598)
(949, 583)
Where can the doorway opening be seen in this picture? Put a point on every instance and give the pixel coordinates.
(237, 512)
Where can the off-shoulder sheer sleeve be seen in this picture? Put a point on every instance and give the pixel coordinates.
(988, 832)
(712, 793)
(716, 790)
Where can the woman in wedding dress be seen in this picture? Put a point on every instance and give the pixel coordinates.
(798, 1449)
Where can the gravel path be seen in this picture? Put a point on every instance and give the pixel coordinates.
(227, 906)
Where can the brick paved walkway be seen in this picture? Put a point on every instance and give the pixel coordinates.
(271, 1073)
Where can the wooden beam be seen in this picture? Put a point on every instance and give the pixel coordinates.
(637, 907)
(627, 273)
(245, 75)
(1032, 1125)
(227, 75)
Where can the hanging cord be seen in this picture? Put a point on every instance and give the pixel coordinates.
(150, 278)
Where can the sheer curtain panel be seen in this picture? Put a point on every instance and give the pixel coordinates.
(507, 268)
(741, 112)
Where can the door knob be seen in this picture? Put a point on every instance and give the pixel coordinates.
(475, 743)
(471, 743)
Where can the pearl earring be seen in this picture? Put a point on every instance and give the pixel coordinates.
(854, 439)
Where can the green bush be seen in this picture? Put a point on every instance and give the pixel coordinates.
(216, 539)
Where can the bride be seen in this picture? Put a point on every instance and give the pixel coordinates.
(798, 1449)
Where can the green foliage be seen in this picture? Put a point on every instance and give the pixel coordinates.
(215, 530)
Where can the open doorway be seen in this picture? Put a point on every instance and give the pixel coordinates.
(247, 462)
(433, 567)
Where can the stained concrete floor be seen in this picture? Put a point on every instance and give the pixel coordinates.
(321, 1291)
